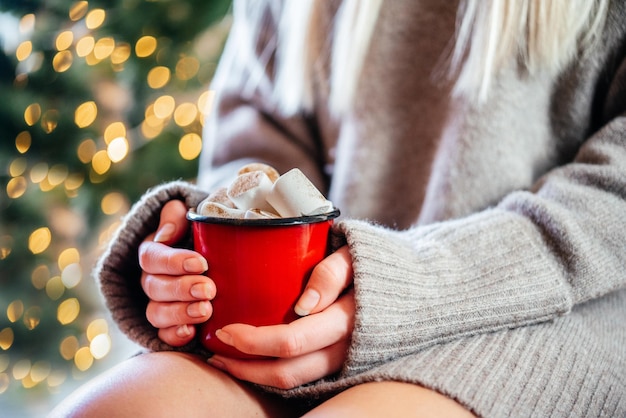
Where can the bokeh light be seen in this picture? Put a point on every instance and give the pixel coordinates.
(164, 106)
(32, 317)
(64, 40)
(24, 50)
(40, 276)
(16, 187)
(55, 288)
(62, 61)
(104, 48)
(50, 120)
(118, 149)
(85, 114)
(27, 23)
(185, 114)
(85, 46)
(95, 18)
(100, 346)
(17, 167)
(113, 203)
(83, 359)
(21, 369)
(205, 102)
(86, 150)
(187, 68)
(23, 141)
(6, 338)
(6, 246)
(39, 172)
(32, 114)
(15, 310)
(78, 10)
(68, 347)
(121, 53)
(68, 311)
(190, 146)
(145, 46)
(94, 102)
(101, 162)
(39, 240)
(72, 275)
(114, 130)
(158, 77)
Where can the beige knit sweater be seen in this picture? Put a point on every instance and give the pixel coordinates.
(489, 242)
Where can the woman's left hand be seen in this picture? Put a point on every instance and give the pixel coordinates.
(310, 347)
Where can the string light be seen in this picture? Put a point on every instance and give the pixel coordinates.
(105, 140)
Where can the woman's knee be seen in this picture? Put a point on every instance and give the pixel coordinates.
(165, 384)
(390, 399)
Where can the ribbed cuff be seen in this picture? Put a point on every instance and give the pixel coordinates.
(422, 287)
(118, 270)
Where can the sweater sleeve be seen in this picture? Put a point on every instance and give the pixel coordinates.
(118, 270)
(533, 257)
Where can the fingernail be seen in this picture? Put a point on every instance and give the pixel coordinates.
(224, 337)
(195, 265)
(183, 331)
(307, 302)
(165, 233)
(201, 291)
(198, 309)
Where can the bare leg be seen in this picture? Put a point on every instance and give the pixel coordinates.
(169, 384)
(389, 399)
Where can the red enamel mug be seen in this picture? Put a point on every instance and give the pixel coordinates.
(260, 268)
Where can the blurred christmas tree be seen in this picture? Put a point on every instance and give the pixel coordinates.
(100, 101)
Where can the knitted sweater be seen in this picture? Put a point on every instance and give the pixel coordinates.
(488, 241)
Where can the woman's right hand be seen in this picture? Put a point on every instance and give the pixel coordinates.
(180, 295)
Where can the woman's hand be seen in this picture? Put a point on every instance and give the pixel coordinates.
(172, 279)
(310, 347)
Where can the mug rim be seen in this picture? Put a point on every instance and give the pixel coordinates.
(193, 216)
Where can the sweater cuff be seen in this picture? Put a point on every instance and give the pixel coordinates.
(118, 271)
(434, 284)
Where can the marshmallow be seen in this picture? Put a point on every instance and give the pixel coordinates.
(249, 191)
(220, 196)
(260, 214)
(293, 195)
(259, 192)
(217, 210)
(270, 171)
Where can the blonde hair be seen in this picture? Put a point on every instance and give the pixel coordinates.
(541, 35)
(538, 35)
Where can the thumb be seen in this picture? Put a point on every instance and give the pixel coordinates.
(173, 223)
(328, 280)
